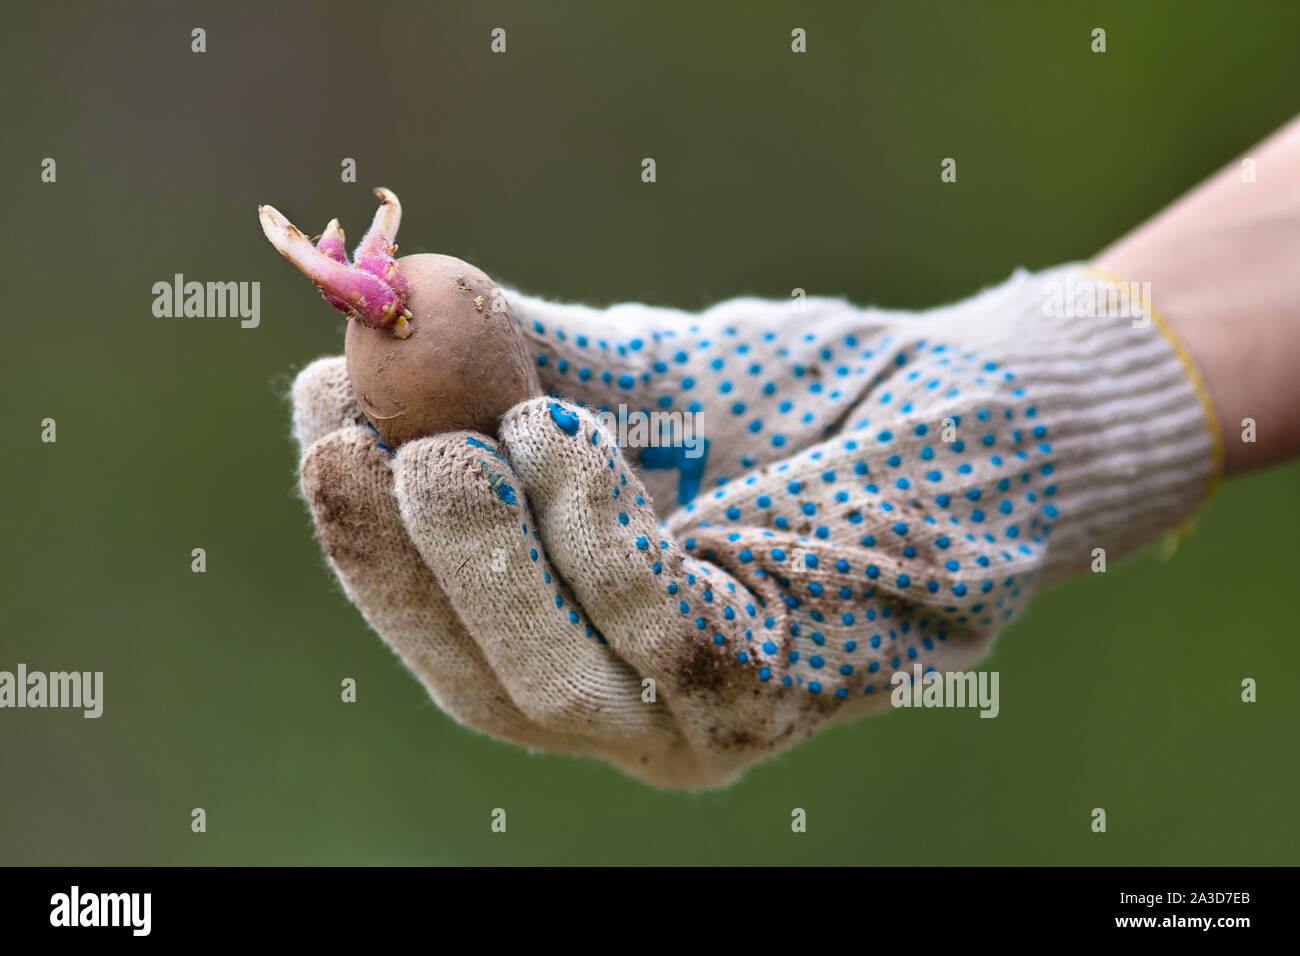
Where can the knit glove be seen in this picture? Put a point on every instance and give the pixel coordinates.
(867, 492)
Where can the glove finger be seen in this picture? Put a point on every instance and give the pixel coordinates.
(694, 627)
(347, 482)
(322, 401)
(744, 383)
(465, 511)
(598, 355)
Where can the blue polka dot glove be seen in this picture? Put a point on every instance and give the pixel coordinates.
(723, 531)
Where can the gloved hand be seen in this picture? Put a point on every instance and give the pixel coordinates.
(879, 489)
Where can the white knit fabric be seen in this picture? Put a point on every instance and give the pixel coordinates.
(880, 489)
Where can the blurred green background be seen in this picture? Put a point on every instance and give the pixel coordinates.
(775, 170)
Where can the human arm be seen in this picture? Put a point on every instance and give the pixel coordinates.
(1224, 266)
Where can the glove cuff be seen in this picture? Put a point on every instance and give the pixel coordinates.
(1129, 440)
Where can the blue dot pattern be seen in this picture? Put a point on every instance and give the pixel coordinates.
(870, 496)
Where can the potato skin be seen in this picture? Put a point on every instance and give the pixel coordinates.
(463, 366)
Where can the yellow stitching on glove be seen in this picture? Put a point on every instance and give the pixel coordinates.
(1198, 383)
